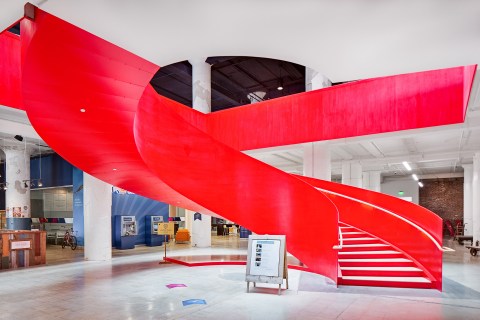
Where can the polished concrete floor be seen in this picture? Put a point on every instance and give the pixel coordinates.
(133, 286)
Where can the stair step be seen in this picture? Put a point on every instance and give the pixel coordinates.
(375, 260)
(382, 268)
(382, 271)
(397, 279)
(363, 240)
(346, 235)
(365, 246)
(372, 262)
(381, 254)
(399, 282)
(369, 252)
(348, 229)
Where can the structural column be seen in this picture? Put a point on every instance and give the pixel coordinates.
(352, 173)
(201, 224)
(316, 155)
(98, 218)
(201, 85)
(476, 197)
(17, 195)
(467, 198)
(316, 160)
(372, 180)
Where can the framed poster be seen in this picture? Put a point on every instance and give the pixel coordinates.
(266, 260)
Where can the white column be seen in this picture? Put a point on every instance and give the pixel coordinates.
(352, 173)
(189, 220)
(315, 80)
(200, 237)
(372, 180)
(201, 85)
(17, 196)
(201, 97)
(476, 197)
(316, 155)
(256, 96)
(467, 198)
(316, 160)
(98, 218)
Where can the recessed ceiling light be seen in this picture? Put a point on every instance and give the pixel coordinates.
(414, 176)
(420, 184)
(279, 88)
(82, 110)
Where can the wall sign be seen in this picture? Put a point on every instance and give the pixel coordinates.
(166, 228)
(20, 244)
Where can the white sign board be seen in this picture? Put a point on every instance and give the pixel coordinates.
(20, 245)
(266, 260)
(266, 255)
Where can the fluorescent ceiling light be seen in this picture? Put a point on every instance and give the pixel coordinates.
(407, 166)
(414, 176)
(420, 184)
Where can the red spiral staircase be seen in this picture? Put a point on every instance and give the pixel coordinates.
(171, 153)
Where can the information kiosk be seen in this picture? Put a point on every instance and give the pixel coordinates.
(125, 231)
(152, 238)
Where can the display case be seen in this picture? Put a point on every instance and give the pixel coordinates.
(151, 227)
(125, 231)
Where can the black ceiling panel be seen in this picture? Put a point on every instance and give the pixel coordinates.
(233, 78)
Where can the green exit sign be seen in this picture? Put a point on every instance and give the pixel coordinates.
(400, 193)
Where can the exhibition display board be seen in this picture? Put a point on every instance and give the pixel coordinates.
(266, 260)
(165, 229)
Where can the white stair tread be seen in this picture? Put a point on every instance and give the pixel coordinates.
(365, 245)
(376, 260)
(381, 268)
(359, 239)
(352, 232)
(370, 252)
(392, 279)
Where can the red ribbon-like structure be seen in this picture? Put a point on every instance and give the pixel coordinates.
(91, 101)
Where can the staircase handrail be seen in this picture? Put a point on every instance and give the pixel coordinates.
(391, 213)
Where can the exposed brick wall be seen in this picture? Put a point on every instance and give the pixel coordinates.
(444, 197)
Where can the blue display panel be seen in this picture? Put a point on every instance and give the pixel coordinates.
(128, 204)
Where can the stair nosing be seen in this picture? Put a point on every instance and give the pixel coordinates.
(388, 279)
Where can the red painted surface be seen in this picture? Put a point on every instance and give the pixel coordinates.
(171, 153)
(234, 185)
(10, 70)
(405, 237)
(408, 101)
(87, 72)
(389, 262)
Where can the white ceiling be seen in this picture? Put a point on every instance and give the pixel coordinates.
(344, 40)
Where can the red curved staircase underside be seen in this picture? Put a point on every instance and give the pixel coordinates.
(171, 153)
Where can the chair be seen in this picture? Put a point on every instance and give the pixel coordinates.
(182, 235)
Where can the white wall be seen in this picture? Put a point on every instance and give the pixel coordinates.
(407, 185)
